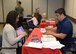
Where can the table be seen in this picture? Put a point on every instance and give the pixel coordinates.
(48, 23)
(29, 50)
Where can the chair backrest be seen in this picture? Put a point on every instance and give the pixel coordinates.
(72, 48)
(0, 41)
(29, 15)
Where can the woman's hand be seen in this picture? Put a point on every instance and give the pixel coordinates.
(24, 33)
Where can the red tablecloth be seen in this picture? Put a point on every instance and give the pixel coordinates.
(48, 23)
(29, 50)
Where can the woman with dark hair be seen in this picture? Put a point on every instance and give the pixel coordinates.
(10, 38)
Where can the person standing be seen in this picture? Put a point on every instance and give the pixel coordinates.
(19, 9)
(10, 38)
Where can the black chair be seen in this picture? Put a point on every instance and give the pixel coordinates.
(29, 15)
(0, 41)
(30, 24)
(72, 47)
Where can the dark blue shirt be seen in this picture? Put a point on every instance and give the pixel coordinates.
(65, 27)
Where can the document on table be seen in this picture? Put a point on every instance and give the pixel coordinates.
(47, 41)
(53, 45)
(47, 38)
(43, 30)
(34, 45)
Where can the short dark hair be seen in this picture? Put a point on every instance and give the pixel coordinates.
(11, 18)
(36, 15)
(19, 2)
(60, 11)
(37, 8)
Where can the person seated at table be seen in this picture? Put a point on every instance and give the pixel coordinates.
(39, 15)
(43, 21)
(47, 22)
(64, 29)
(43, 18)
(33, 22)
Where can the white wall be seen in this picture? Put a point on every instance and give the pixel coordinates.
(42, 4)
(11, 4)
(70, 7)
(74, 9)
(52, 6)
(26, 4)
(1, 13)
(8, 6)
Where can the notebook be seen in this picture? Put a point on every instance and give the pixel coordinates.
(20, 30)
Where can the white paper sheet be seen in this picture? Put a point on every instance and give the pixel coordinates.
(43, 30)
(34, 45)
(53, 45)
(47, 38)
